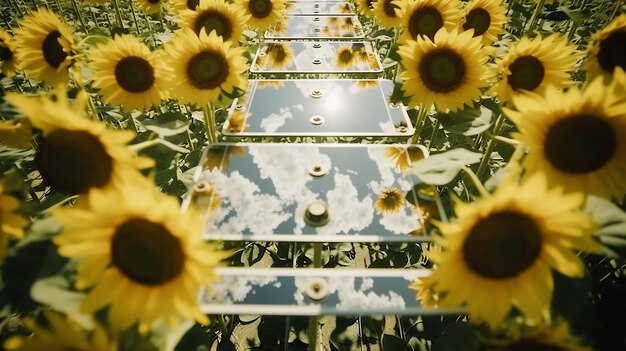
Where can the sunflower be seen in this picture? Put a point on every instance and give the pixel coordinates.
(365, 7)
(127, 73)
(539, 337)
(76, 154)
(144, 264)
(386, 13)
(150, 6)
(391, 200)
(45, 47)
(534, 64)
(403, 157)
(180, 6)
(486, 18)
(577, 138)
(215, 15)
(218, 156)
(426, 295)
(449, 71)
(262, 13)
(7, 53)
(11, 223)
(345, 57)
(608, 49)
(345, 7)
(237, 122)
(426, 17)
(499, 251)
(60, 333)
(16, 133)
(202, 67)
(279, 55)
(365, 84)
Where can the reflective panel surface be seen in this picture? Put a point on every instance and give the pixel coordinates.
(323, 7)
(314, 193)
(316, 57)
(311, 292)
(315, 107)
(317, 27)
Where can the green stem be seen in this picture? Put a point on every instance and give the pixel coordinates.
(506, 140)
(93, 17)
(118, 14)
(222, 324)
(572, 30)
(419, 125)
(434, 134)
(618, 5)
(313, 333)
(143, 145)
(147, 18)
(80, 17)
(132, 11)
(490, 146)
(535, 17)
(209, 121)
(160, 16)
(477, 183)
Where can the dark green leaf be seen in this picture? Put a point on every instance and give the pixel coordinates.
(394, 343)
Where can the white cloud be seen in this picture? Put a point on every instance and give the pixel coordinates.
(271, 123)
(347, 212)
(236, 288)
(260, 213)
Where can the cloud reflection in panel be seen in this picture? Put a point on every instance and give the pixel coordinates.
(311, 107)
(267, 192)
(315, 292)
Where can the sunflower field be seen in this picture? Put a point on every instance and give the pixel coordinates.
(142, 207)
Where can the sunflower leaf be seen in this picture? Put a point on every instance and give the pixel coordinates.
(468, 121)
(442, 168)
(611, 222)
(54, 292)
(167, 124)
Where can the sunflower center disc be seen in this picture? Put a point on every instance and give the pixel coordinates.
(502, 245)
(146, 252)
(278, 53)
(442, 70)
(390, 199)
(479, 19)
(527, 73)
(345, 56)
(613, 52)
(73, 161)
(390, 8)
(213, 20)
(260, 8)
(580, 144)
(5, 54)
(425, 21)
(192, 4)
(207, 70)
(529, 344)
(52, 50)
(134, 74)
